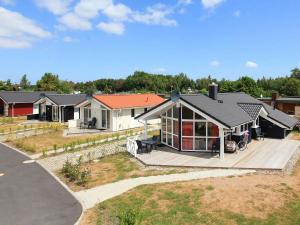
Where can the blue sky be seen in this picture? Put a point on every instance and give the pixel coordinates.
(90, 39)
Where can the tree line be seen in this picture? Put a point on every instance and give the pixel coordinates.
(141, 82)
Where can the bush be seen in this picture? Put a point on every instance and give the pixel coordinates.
(129, 217)
(74, 173)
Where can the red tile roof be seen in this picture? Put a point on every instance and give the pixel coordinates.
(120, 101)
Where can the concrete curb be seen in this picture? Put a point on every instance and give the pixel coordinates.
(55, 177)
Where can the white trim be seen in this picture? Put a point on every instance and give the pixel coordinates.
(82, 104)
(156, 110)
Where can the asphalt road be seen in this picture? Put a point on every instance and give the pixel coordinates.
(30, 196)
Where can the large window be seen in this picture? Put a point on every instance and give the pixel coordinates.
(198, 134)
(169, 127)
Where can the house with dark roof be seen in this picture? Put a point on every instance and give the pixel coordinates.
(59, 107)
(198, 122)
(19, 103)
(286, 104)
(115, 112)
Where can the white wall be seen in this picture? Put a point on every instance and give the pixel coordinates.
(35, 108)
(76, 113)
(120, 119)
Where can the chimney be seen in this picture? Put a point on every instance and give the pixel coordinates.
(274, 99)
(274, 96)
(213, 91)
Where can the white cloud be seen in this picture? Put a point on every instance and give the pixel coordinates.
(237, 13)
(215, 63)
(156, 15)
(80, 18)
(211, 4)
(90, 8)
(68, 39)
(73, 21)
(17, 31)
(251, 64)
(57, 7)
(112, 27)
(117, 12)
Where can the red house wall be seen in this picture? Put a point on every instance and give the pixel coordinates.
(20, 109)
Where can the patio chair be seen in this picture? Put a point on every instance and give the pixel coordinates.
(259, 134)
(141, 146)
(92, 123)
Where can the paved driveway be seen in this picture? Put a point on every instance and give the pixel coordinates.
(30, 196)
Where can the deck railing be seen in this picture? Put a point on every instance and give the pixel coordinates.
(131, 145)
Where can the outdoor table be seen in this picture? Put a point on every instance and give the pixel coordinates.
(150, 143)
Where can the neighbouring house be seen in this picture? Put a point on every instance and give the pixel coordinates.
(197, 122)
(19, 103)
(59, 107)
(287, 104)
(115, 112)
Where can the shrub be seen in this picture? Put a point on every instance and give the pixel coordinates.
(44, 152)
(74, 173)
(129, 217)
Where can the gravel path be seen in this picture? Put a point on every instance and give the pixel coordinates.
(56, 162)
(89, 198)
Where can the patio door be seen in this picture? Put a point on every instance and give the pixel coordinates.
(105, 119)
(86, 114)
(55, 113)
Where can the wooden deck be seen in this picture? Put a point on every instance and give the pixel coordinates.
(264, 154)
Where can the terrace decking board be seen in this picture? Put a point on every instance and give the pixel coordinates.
(263, 154)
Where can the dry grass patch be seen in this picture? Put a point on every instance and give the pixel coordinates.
(113, 168)
(250, 199)
(8, 123)
(47, 141)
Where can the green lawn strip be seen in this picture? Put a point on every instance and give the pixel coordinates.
(185, 208)
(121, 166)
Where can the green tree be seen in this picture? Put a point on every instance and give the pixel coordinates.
(24, 82)
(65, 87)
(291, 87)
(48, 82)
(248, 85)
(295, 73)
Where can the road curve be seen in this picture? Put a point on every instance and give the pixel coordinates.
(29, 195)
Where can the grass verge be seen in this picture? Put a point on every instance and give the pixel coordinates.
(113, 168)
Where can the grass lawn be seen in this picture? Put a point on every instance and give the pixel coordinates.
(42, 142)
(249, 199)
(8, 123)
(46, 141)
(114, 168)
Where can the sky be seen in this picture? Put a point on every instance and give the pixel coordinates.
(83, 40)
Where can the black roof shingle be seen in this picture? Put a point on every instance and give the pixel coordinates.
(67, 99)
(233, 109)
(22, 96)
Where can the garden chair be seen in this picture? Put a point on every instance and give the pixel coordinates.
(92, 123)
(141, 146)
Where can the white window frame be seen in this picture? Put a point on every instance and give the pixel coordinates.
(206, 137)
(165, 116)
